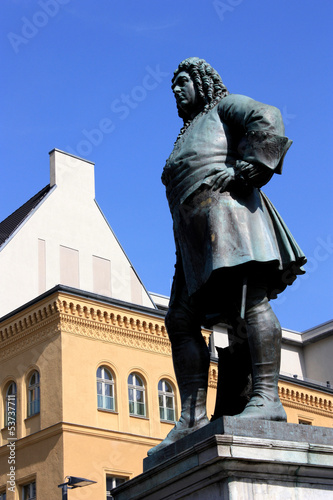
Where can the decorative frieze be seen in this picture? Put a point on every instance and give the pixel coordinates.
(83, 318)
(114, 325)
(27, 322)
(302, 399)
(28, 340)
(111, 317)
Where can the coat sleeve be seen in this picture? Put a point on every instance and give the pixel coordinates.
(259, 130)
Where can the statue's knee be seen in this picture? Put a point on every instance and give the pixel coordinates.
(178, 321)
(172, 321)
(168, 320)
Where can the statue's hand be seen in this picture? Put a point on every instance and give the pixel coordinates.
(223, 179)
(256, 175)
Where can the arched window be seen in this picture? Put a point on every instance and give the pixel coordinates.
(105, 389)
(33, 394)
(136, 395)
(166, 401)
(10, 406)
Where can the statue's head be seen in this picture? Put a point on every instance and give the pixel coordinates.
(202, 84)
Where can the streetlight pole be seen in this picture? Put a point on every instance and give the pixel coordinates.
(64, 492)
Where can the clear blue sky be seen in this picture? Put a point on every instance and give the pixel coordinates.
(70, 67)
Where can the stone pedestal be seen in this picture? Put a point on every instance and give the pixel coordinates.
(238, 460)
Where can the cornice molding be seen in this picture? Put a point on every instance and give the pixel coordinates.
(28, 328)
(24, 323)
(82, 317)
(301, 399)
(110, 324)
(65, 313)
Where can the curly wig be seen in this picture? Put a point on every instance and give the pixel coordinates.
(206, 79)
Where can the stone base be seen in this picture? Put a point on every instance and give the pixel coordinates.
(256, 460)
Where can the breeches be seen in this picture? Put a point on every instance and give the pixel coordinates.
(219, 302)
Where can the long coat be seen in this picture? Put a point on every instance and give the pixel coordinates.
(215, 230)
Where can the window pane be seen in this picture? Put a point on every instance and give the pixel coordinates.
(113, 482)
(110, 403)
(105, 402)
(36, 406)
(130, 379)
(99, 372)
(139, 396)
(140, 409)
(33, 407)
(131, 407)
(138, 381)
(169, 402)
(162, 416)
(130, 394)
(29, 491)
(171, 415)
(120, 480)
(167, 387)
(160, 386)
(11, 391)
(34, 379)
(108, 390)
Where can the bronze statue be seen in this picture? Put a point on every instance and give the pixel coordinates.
(234, 252)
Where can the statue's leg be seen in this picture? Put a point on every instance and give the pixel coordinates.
(191, 360)
(264, 337)
(234, 381)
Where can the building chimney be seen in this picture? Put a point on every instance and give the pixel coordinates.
(72, 173)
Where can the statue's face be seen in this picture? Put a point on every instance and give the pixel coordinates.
(185, 93)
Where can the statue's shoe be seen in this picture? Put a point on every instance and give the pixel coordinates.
(259, 408)
(180, 430)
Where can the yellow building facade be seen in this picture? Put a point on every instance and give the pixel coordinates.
(71, 340)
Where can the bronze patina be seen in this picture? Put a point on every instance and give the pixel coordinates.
(234, 251)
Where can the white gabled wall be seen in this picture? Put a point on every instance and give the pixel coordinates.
(69, 218)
